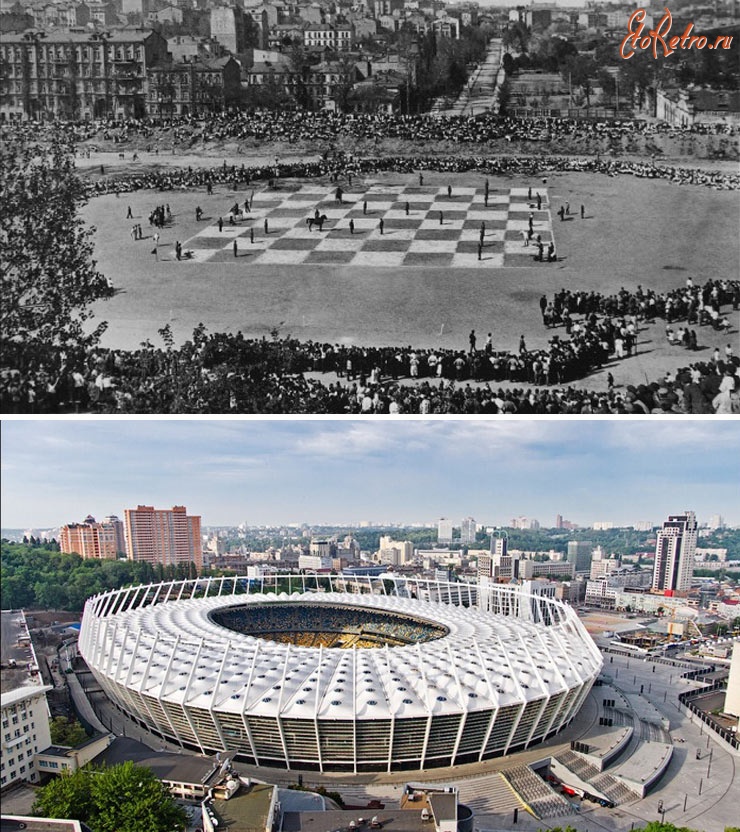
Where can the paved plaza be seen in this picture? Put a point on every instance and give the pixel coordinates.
(696, 790)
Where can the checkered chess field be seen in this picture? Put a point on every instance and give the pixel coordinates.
(414, 239)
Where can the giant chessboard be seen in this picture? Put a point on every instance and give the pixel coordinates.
(414, 239)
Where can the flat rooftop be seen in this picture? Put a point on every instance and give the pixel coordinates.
(247, 810)
(394, 820)
(166, 765)
(11, 629)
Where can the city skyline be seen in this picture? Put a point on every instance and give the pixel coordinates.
(341, 473)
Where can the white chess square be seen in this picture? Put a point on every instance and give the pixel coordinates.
(381, 259)
(433, 246)
(484, 215)
(283, 256)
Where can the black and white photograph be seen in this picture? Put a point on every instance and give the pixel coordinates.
(369, 208)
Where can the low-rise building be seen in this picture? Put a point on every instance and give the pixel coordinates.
(57, 759)
(696, 105)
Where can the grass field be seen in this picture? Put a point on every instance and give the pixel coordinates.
(646, 232)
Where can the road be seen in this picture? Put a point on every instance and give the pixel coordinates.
(481, 92)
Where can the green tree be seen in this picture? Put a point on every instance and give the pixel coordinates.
(67, 796)
(123, 797)
(47, 274)
(67, 732)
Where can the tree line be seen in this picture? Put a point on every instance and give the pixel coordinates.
(42, 577)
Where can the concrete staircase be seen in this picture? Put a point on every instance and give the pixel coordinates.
(614, 789)
(536, 793)
(490, 795)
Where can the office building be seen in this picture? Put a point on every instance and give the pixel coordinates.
(580, 554)
(166, 536)
(468, 528)
(674, 553)
(444, 530)
(25, 732)
(92, 540)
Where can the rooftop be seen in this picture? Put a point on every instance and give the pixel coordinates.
(247, 810)
(166, 765)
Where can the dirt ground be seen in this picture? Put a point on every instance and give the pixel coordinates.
(647, 232)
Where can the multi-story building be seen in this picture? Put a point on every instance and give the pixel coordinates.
(93, 540)
(395, 552)
(468, 528)
(444, 530)
(24, 717)
(338, 36)
(674, 553)
(166, 536)
(529, 569)
(579, 554)
(447, 27)
(732, 697)
(77, 75)
(315, 563)
(716, 521)
(228, 27)
(604, 566)
(524, 523)
(193, 87)
(497, 565)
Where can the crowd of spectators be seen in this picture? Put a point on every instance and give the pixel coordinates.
(335, 167)
(694, 303)
(226, 373)
(327, 127)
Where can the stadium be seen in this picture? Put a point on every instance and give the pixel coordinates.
(326, 673)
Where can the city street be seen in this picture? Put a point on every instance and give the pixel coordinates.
(481, 92)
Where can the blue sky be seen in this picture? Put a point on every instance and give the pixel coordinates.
(320, 471)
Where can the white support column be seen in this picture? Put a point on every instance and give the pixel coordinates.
(280, 706)
(111, 649)
(317, 699)
(484, 745)
(354, 709)
(245, 721)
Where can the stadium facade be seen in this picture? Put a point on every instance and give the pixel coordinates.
(341, 674)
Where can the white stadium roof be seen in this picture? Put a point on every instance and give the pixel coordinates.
(174, 652)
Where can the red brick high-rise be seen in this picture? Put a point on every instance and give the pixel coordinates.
(93, 540)
(166, 536)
